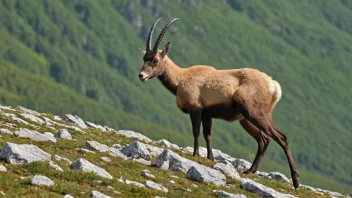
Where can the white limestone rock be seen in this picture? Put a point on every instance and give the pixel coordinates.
(31, 118)
(136, 150)
(277, 176)
(105, 159)
(117, 153)
(221, 193)
(166, 143)
(96, 146)
(41, 181)
(34, 135)
(96, 126)
(261, 190)
(59, 158)
(86, 166)
(55, 166)
(6, 131)
(146, 173)
(133, 134)
(227, 168)
(28, 111)
(23, 153)
(128, 182)
(63, 134)
(155, 186)
(206, 175)
(97, 194)
(76, 120)
(3, 168)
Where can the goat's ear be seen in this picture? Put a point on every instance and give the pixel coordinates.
(142, 50)
(166, 49)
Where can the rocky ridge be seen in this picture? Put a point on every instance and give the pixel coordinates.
(59, 152)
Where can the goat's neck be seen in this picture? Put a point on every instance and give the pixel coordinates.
(171, 76)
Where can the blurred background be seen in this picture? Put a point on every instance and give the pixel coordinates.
(81, 57)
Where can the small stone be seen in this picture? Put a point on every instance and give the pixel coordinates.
(23, 153)
(155, 186)
(206, 175)
(132, 134)
(96, 126)
(136, 150)
(227, 168)
(166, 143)
(188, 190)
(97, 194)
(75, 119)
(31, 118)
(34, 135)
(173, 176)
(63, 134)
(231, 195)
(41, 181)
(2, 193)
(68, 196)
(146, 173)
(241, 164)
(110, 188)
(59, 158)
(128, 182)
(57, 118)
(86, 166)
(116, 192)
(28, 111)
(6, 131)
(105, 159)
(96, 146)
(172, 181)
(121, 180)
(3, 168)
(142, 161)
(116, 146)
(55, 166)
(277, 176)
(194, 185)
(261, 190)
(117, 153)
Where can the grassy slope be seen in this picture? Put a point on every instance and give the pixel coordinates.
(74, 182)
(79, 46)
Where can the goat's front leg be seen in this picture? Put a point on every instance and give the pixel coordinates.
(207, 122)
(196, 121)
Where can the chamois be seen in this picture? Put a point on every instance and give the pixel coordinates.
(203, 92)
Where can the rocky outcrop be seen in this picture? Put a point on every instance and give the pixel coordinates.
(23, 153)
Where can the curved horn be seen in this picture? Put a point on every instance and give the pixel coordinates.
(149, 41)
(157, 43)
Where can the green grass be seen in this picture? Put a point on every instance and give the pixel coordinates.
(16, 181)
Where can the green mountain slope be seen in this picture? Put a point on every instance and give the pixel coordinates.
(82, 57)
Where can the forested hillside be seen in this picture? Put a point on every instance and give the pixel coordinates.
(82, 57)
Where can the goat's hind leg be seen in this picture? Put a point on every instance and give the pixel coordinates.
(263, 142)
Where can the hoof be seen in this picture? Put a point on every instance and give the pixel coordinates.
(295, 180)
(211, 158)
(249, 171)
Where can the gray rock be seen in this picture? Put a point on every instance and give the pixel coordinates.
(48, 121)
(132, 134)
(128, 182)
(277, 176)
(55, 166)
(96, 146)
(231, 195)
(110, 188)
(194, 185)
(57, 118)
(136, 150)
(117, 153)
(23, 153)
(63, 134)
(155, 186)
(3, 168)
(206, 175)
(172, 181)
(116, 192)
(34, 135)
(241, 164)
(28, 111)
(154, 151)
(105, 159)
(6, 131)
(85, 166)
(170, 160)
(59, 158)
(218, 155)
(76, 120)
(173, 176)
(96, 126)
(15, 118)
(146, 173)
(68, 196)
(188, 190)
(166, 143)
(142, 161)
(97, 194)
(31, 118)
(41, 181)
(261, 190)
(227, 168)
(75, 128)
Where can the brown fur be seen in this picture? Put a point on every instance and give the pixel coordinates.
(203, 92)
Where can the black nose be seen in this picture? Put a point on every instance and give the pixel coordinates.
(140, 75)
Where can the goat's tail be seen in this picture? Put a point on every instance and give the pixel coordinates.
(277, 93)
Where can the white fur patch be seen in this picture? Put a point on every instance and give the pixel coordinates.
(271, 87)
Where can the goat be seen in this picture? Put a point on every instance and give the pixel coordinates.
(203, 92)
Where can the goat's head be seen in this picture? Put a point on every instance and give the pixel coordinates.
(153, 58)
